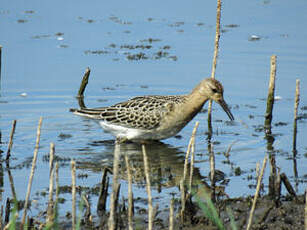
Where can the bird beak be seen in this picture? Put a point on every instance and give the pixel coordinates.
(226, 108)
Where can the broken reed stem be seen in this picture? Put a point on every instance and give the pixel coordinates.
(130, 193)
(251, 214)
(8, 153)
(186, 160)
(296, 103)
(148, 188)
(270, 99)
(11, 183)
(101, 204)
(84, 82)
(288, 185)
(87, 215)
(278, 187)
(38, 134)
(111, 221)
(83, 85)
(51, 176)
(273, 176)
(171, 215)
(73, 193)
(215, 55)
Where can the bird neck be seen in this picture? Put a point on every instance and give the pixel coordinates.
(197, 96)
(195, 101)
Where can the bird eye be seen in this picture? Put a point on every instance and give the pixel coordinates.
(214, 90)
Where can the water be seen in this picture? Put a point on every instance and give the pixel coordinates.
(47, 46)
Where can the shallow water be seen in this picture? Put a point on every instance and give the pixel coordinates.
(148, 48)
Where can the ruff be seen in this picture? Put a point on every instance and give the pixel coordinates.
(154, 117)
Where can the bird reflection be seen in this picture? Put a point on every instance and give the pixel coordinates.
(166, 163)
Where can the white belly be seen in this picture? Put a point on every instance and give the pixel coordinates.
(137, 134)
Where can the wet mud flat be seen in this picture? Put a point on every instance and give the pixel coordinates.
(288, 213)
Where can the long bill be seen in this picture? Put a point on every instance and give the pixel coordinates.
(225, 107)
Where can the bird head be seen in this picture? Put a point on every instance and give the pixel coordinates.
(213, 90)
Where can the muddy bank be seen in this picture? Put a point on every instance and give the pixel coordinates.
(288, 213)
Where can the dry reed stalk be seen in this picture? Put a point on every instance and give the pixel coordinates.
(51, 157)
(148, 189)
(270, 98)
(57, 187)
(212, 170)
(50, 198)
(51, 185)
(8, 153)
(182, 190)
(130, 193)
(73, 193)
(38, 134)
(171, 215)
(217, 37)
(212, 164)
(192, 154)
(192, 165)
(111, 221)
(296, 103)
(186, 160)
(215, 56)
(257, 170)
(251, 214)
(185, 169)
(117, 197)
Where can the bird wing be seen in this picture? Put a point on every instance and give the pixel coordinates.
(139, 112)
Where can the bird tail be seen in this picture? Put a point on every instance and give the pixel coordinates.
(90, 113)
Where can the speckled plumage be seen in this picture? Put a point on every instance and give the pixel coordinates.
(139, 112)
(155, 117)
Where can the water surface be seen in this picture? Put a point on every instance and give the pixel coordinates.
(148, 48)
